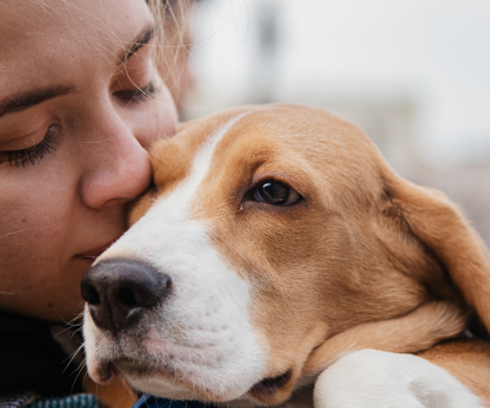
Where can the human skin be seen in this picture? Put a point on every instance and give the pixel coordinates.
(59, 211)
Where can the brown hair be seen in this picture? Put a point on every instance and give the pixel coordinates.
(172, 43)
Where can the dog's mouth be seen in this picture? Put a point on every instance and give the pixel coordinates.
(269, 386)
(105, 373)
(264, 389)
(137, 368)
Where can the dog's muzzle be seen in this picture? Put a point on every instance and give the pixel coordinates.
(120, 291)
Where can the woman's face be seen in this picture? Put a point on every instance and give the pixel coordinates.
(80, 102)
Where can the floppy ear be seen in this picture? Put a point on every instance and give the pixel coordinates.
(437, 223)
(434, 221)
(429, 324)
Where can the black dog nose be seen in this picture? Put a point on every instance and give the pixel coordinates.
(118, 292)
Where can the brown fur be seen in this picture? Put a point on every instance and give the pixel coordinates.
(365, 260)
(115, 395)
(405, 334)
(468, 360)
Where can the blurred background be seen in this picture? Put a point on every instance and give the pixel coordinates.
(414, 75)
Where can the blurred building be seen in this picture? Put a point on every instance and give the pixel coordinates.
(415, 76)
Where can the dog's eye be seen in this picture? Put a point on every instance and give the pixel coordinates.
(276, 193)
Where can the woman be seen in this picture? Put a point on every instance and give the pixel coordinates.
(81, 101)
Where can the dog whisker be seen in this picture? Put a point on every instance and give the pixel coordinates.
(79, 370)
(72, 357)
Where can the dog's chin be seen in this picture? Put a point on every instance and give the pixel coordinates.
(159, 387)
(165, 382)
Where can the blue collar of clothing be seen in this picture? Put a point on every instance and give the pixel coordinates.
(149, 401)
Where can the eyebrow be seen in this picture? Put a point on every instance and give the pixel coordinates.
(20, 102)
(26, 100)
(143, 39)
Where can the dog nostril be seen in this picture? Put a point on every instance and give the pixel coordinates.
(120, 291)
(127, 297)
(90, 294)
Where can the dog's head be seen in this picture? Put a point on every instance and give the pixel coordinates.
(268, 230)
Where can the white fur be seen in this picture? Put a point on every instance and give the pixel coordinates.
(203, 331)
(378, 379)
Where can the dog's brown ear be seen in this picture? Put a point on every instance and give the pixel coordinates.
(438, 224)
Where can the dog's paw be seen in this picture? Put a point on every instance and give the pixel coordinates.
(378, 379)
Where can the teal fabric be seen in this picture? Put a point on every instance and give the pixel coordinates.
(72, 401)
(17, 401)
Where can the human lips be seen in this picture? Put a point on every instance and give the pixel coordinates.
(94, 253)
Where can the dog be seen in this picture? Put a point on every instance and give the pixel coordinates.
(278, 260)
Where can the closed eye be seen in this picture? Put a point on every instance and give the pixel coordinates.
(136, 95)
(34, 154)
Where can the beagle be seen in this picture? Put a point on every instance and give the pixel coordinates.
(275, 246)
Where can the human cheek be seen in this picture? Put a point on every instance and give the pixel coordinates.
(153, 119)
(38, 237)
(29, 254)
(166, 114)
(31, 220)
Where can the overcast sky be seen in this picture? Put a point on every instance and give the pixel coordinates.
(437, 52)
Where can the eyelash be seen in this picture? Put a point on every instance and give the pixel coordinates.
(138, 94)
(34, 154)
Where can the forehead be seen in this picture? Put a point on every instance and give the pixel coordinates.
(38, 36)
(228, 142)
(310, 144)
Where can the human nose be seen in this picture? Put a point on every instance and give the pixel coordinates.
(117, 168)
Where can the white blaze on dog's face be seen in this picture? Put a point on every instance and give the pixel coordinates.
(266, 233)
(203, 332)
